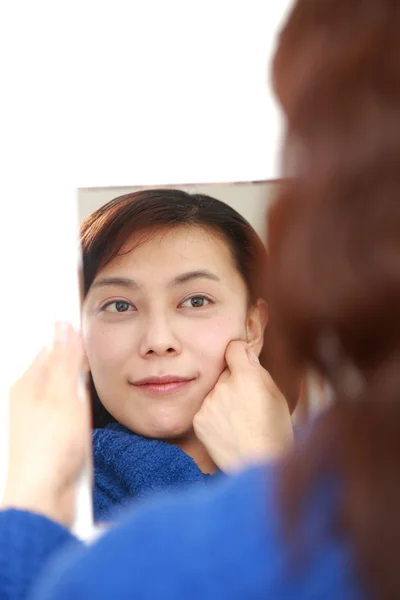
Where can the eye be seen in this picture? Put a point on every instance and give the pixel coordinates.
(196, 302)
(118, 306)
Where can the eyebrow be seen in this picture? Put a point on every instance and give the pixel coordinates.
(133, 285)
(191, 275)
(116, 281)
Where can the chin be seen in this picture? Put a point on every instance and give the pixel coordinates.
(170, 431)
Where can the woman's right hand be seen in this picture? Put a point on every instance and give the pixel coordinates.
(245, 419)
(49, 432)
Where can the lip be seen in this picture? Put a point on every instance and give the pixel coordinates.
(166, 384)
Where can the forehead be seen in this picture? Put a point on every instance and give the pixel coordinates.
(170, 251)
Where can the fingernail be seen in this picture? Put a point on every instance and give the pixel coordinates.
(253, 356)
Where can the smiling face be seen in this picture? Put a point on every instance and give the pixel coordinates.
(156, 324)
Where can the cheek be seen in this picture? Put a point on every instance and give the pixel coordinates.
(208, 342)
(105, 346)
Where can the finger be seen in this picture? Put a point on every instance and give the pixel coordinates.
(37, 369)
(271, 385)
(236, 356)
(63, 335)
(65, 363)
(29, 387)
(253, 356)
(34, 376)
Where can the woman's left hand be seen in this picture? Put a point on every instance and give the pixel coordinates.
(245, 419)
(49, 432)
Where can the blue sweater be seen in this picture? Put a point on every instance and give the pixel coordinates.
(128, 466)
(219, 543)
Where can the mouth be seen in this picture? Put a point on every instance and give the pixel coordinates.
(167, 384)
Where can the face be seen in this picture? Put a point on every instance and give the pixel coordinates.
(156, 324)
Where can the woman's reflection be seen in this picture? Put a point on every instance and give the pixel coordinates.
(170, 280)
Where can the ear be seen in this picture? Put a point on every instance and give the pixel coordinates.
(257, 320)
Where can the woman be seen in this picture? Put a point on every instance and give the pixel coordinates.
(334, 237)
(170, 280)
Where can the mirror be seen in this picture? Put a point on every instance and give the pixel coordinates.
(155, 328)
(167, 287)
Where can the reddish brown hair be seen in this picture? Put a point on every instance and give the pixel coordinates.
(317, 34)
(334, 241)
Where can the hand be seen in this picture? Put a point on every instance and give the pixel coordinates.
(49, 433)
(245, 419)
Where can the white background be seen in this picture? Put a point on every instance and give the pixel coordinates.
(110, 94)
(177, 92)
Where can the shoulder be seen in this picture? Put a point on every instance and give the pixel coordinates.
(177, 542)
(27, 541)
(223, 542)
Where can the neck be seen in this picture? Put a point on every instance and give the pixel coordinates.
(190, 445)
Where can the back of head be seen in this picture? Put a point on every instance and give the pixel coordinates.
(319, 33)
(334, 241)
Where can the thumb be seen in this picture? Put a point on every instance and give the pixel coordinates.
(236, 356)
(32, 381)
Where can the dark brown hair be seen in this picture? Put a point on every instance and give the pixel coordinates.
(334, 243)
(140, 213)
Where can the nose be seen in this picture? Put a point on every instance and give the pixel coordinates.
(159, 338)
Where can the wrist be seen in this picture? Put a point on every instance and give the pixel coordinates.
(43, 503)
(259, 451)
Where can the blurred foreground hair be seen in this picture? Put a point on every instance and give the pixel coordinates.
(334, 243)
